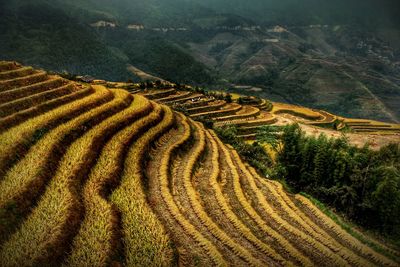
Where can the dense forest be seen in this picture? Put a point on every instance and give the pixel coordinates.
(361, 183)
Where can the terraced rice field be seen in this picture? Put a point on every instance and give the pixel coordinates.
(297, 111)
(369, 126)
(222, 113)
(99, 177)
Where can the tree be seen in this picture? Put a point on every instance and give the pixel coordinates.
(270, 135)
(386, 200)
(228, 98)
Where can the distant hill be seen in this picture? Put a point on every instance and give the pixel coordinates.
(342, 56)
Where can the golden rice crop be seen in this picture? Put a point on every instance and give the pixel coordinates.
(300, 218)
(210, 249)
(207, 108)
(23, 183)
(251, 112)
(253, 214)
(229, 109)
(19, 117)
(144, 237)
(32, 100)
(342, 234)
(288, 227)
(15, 142)
(12, 74)
(177, 96)
(159, 93)
(199, 210)
(96, 241)
(25, 91)
(56, 216)
(22, 81)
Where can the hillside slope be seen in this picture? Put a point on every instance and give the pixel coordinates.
(95, 176)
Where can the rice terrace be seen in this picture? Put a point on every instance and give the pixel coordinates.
(95, 175)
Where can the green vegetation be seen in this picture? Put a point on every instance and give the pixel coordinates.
(347, 226)
(254, 154)
(47, 37)
(361, 183)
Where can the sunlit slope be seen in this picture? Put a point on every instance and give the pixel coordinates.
(248, 118)
(106, 178)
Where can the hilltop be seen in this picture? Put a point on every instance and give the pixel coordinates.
(98, 176)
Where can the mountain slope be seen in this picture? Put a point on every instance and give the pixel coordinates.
(116, 179)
